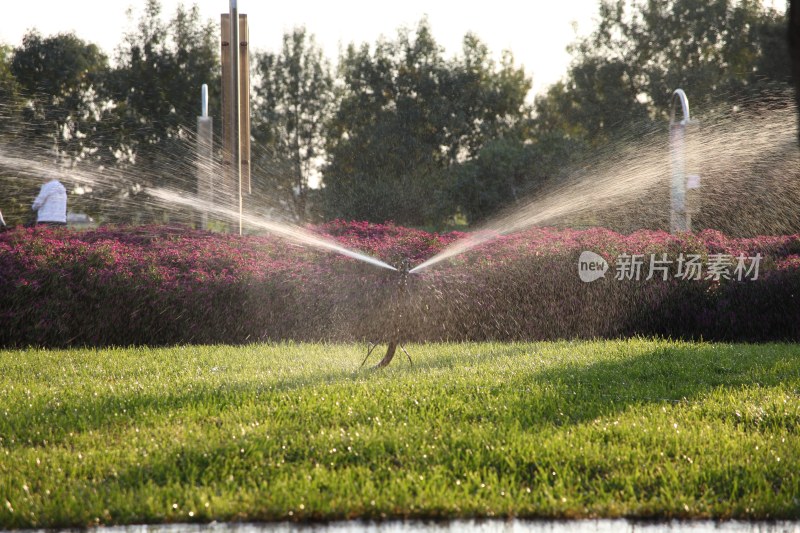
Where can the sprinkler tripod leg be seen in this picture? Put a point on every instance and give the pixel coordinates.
(406, 352)
(370, 347)
(391, 349)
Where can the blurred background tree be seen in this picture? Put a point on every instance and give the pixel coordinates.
(294, 98)
(61, 78)
(407, 118)
(12, 190)
(625, 72)
(155, 87)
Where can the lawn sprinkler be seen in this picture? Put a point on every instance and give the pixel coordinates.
(398, 305)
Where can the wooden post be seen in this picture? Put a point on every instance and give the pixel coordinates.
(236, 129)
(244, 101)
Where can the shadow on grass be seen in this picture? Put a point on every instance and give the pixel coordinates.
(547, 394)
(43, 422)
(575, 392)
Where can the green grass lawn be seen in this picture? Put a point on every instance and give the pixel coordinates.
(291, 431)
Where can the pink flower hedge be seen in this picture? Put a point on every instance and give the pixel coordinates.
(161, 285)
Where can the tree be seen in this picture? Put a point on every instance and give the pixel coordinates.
(156, 88)
(406, 119)
(15, 205)
(10, 97)
(60, 77)
(716, 49)
(597, 98)
(485, 100)
(294, 99)
(643, 50)
(385, 137)
(508, 170)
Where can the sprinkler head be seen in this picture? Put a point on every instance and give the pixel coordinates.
(404, 267)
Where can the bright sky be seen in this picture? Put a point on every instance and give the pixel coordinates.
(536, 31)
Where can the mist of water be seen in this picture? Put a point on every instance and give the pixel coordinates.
(738, 153)
(33, 165)
(748, 160)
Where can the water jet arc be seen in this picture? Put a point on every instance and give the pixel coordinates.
(287, 231)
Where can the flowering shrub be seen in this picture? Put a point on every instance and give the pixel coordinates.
(163, 285)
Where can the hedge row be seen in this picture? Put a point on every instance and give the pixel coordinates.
(161, 285)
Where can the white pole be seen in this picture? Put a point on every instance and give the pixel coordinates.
(205, 155)
(236, 160)
(679, 219)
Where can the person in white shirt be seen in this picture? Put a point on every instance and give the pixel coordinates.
(51, 204)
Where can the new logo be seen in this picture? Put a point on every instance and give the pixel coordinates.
(591, 266)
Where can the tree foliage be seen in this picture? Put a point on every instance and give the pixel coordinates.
(641, 51)
(50, 104)
(161, 68)
(156, 87)
(407, 117)
(508, 170)
(10, 97)
(60, 78)
(294, 98)
(12, 191)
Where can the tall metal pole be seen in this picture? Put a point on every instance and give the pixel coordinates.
(236, 159)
